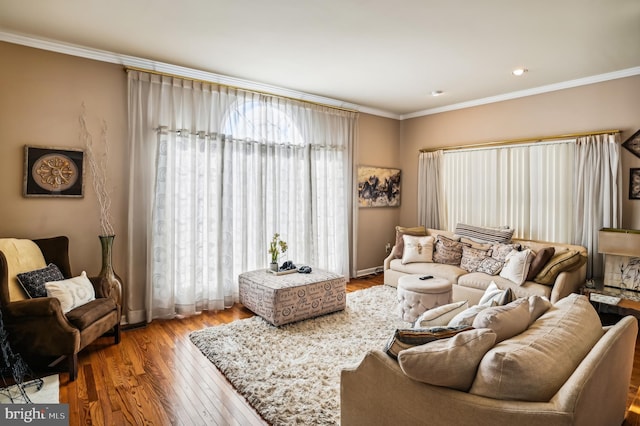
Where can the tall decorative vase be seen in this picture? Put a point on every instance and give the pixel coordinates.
(110, 282)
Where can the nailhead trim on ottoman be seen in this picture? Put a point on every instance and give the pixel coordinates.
(416, 296)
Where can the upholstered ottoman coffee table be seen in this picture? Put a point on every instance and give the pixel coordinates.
(416, 296)
(281, 299)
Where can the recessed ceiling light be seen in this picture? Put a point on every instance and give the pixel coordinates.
(437, 93)
(519, 71)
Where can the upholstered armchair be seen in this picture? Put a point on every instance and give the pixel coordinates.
(38, 326)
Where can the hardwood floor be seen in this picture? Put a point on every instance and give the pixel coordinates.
(156, 376)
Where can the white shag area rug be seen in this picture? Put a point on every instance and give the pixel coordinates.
(48, 394)
(291, 374)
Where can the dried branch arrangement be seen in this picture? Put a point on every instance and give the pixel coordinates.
(98, 169)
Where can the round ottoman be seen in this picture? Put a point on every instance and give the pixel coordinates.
(416, 296)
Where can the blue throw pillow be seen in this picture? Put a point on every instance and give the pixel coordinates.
(33, 281)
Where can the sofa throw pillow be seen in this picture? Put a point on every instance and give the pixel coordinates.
(484, 234)
(495, 296)
(33, 281)
(490, 266)
(466, 317)
(541, 258)
(506, 321)
(538, 305)
(472, 257)
(434, 363)
(417, 249)
(406, 338)
(398, 249)
(516, 266)
(447, 251)
(441, 315)
(71, 293)
(560, 262)
(501, 251)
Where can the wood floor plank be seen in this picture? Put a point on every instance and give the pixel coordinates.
(157, 376)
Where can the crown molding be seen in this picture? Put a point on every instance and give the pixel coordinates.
(629, 72)
(162, 67)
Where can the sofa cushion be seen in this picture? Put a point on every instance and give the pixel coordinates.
(450, 362)
(481, 281)
(449, 272)
(85, 315)
(22, 255)
(540, 259)
(447, 251)
(400, 231)
(441, 315)
(506, 321)
(467, 316)
(406, 338)
(560, 262)
(417, 249)
(72, 292)
(33, 281)
(516, 266)
(543, 356)
(484, 234)
(472, 257)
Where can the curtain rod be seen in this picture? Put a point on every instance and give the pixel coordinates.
(197, 80)
(519, 141)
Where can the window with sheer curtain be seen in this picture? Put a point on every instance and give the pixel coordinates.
(525, 187)
(230, 168)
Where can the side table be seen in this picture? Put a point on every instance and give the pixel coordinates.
(611, 300)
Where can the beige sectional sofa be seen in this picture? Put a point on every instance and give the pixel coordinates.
(471, 285)
(563, 369)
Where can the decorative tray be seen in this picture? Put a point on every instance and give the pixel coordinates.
(290, 271)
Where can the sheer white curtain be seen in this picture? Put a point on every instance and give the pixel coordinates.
(596, 193)
(215, 173)
(526, 187)
(431, 208)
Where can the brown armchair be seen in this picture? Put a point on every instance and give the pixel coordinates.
(38, 327)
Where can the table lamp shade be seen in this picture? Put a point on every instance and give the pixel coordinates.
(621, 242)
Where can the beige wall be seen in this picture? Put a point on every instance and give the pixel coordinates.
(42, 93)
(610, 105)
(378, 145)
(40, 103)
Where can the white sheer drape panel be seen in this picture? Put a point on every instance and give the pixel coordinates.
(229, 169)
(520, 187)
(597, 196)
(431, 204)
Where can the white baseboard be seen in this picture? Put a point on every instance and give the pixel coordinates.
(369, 271)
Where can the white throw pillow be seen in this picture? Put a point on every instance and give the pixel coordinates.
(516, 266)
(71, 293)
(417, 249)
(467, 316)
(494, 295)
(441, 315)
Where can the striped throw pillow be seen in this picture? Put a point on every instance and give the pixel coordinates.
(483, 234)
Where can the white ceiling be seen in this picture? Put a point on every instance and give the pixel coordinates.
(379, 54)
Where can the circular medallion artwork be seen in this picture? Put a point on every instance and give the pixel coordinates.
(55, 172)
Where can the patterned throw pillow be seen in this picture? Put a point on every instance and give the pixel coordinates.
(448, 251)
(407, 338)
(472, 257)
(490, 266)
(33, 281)
(500, 251)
